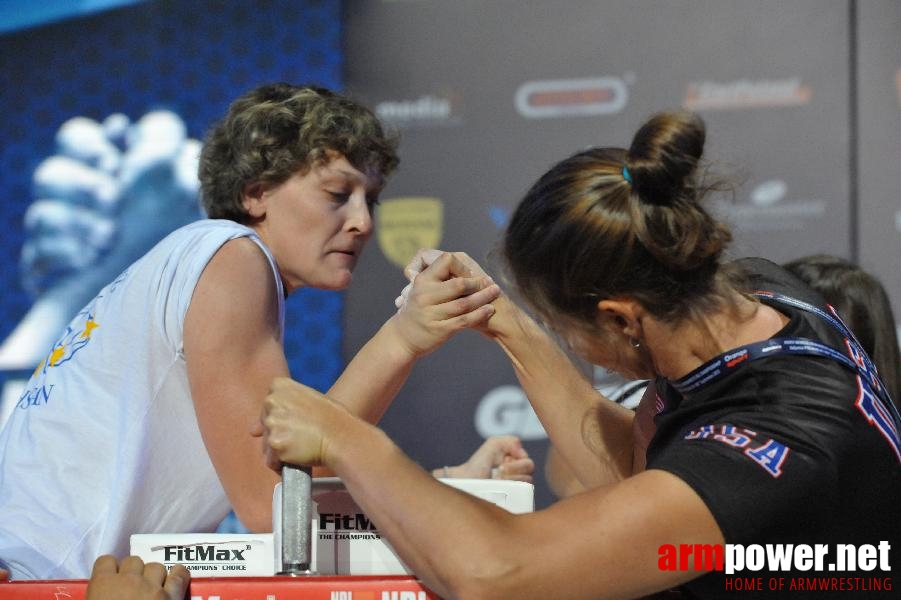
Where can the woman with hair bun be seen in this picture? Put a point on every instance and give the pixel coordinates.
(764, 426)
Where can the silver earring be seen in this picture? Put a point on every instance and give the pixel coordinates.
(635, 343)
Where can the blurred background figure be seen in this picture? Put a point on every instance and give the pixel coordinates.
(614, 386)
(863, 304)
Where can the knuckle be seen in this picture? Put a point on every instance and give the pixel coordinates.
(463, 321)
(460, 285)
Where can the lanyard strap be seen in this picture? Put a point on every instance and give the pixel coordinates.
(874, 400)
(830, 317)
(725, 363)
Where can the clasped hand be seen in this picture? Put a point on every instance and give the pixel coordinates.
(448, 292)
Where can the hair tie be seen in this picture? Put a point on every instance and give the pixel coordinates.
(626, 175)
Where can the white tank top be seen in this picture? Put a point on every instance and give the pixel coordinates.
(104, 442)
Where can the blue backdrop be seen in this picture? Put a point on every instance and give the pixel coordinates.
(188, 58)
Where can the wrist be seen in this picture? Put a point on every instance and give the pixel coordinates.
(509, 320)
(346, 435)
(396, 343)
(356, 445)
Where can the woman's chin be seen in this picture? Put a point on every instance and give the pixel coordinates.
(338, 283)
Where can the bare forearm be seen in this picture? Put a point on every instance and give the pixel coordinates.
(440, 532)
(464, 547)
(374, 376)
(559, 475)
(592, 433)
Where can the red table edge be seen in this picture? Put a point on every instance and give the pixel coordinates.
(313, 587)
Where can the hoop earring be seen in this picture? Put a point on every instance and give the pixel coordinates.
(635, 343)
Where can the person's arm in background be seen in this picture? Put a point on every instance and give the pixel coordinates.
(233, 351)
(499, 457)
(592, 434)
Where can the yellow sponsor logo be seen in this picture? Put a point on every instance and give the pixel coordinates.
(407, 224)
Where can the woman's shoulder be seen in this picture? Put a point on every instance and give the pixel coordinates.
(211, 228)
(765, 275)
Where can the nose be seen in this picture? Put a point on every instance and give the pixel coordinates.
(360, 216)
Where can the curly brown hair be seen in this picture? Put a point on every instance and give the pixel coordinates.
(276, 130)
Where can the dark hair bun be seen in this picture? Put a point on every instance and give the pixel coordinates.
(664, 156)
(674, 227)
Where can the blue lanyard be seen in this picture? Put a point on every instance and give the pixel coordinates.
(831, 318)
(726, 363)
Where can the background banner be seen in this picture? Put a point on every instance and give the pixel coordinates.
(803, 105)
(101, 119)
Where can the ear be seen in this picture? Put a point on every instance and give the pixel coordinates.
(621, 314)
(253, 198)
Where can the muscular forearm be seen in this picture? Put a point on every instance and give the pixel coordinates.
(592, 433)
(463, 547)
(375, 375)
(448, 538)
(559, 475)
(443, 301)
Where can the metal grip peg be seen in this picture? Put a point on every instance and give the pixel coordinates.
(297, 515)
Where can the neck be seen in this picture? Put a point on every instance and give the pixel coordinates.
(677, 350)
